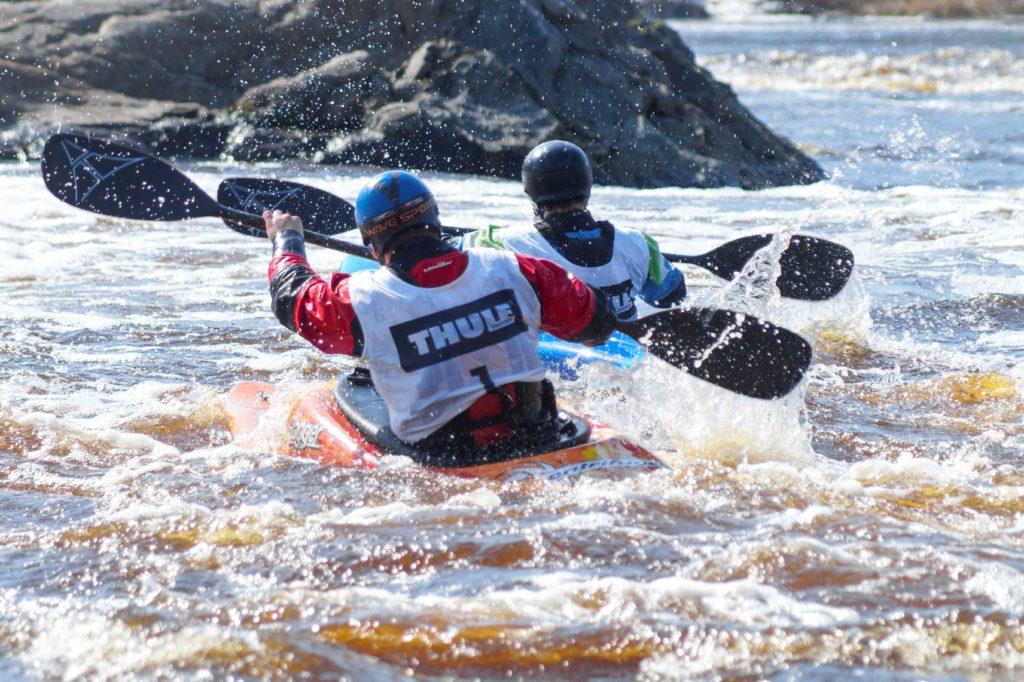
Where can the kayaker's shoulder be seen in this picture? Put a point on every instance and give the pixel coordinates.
(624, 231)
(497, 236)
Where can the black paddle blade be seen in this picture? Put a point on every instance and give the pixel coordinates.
(814, 269)
(811, 269)
(115, 180)
(738, 352)
(320, 211)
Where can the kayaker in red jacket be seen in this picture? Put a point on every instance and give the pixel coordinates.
(450, 337)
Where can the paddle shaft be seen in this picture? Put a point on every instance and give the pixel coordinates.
(255, 221)
(701, 261)
(811, 268)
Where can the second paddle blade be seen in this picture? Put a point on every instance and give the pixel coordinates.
(732, 350)
(810, 269)
(813, 269)
(320, 211)
(109, 178)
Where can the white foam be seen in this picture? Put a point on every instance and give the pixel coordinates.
(468, 504)
(88, 645)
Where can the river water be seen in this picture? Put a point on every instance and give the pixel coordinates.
(871, 524)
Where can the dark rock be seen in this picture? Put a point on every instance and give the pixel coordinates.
(335, 96)
(254, 145)
(676, 9)
(464, 86)
(462, 109)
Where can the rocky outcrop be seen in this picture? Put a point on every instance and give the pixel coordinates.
(676, 9)
(463, 86)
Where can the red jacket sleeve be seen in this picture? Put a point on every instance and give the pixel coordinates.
(566, 303)
(319, 310)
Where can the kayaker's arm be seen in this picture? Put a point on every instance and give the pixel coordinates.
(288, 279)
(665, 286)
(570, 309)
(320, 311)
(602, 322)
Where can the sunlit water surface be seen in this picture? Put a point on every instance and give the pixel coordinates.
(871, 523)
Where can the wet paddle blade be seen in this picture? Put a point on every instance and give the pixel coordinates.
(105, 177)
(811, 268)
(320, 211)
(732, 350)
(115, 180)
(814, 269)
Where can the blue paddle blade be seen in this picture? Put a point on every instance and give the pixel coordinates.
(320, 211)
(115, 180)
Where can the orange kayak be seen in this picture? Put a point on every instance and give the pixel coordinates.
(345, 424)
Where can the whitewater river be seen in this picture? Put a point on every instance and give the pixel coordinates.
(872, 523)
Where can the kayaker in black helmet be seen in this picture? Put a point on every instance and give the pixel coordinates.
(450, 337)
(623, 263)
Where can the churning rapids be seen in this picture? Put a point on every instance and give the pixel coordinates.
(872, 523)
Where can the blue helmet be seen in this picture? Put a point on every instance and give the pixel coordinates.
(392, 203)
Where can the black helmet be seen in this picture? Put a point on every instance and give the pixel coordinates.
(556, 171)
(392, 203)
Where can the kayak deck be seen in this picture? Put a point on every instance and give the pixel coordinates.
(366, 411)
(312, 423)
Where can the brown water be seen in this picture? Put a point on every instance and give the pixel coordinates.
(870, 525)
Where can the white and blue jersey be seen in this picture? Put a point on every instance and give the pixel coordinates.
(623, 263)
(425, 348)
